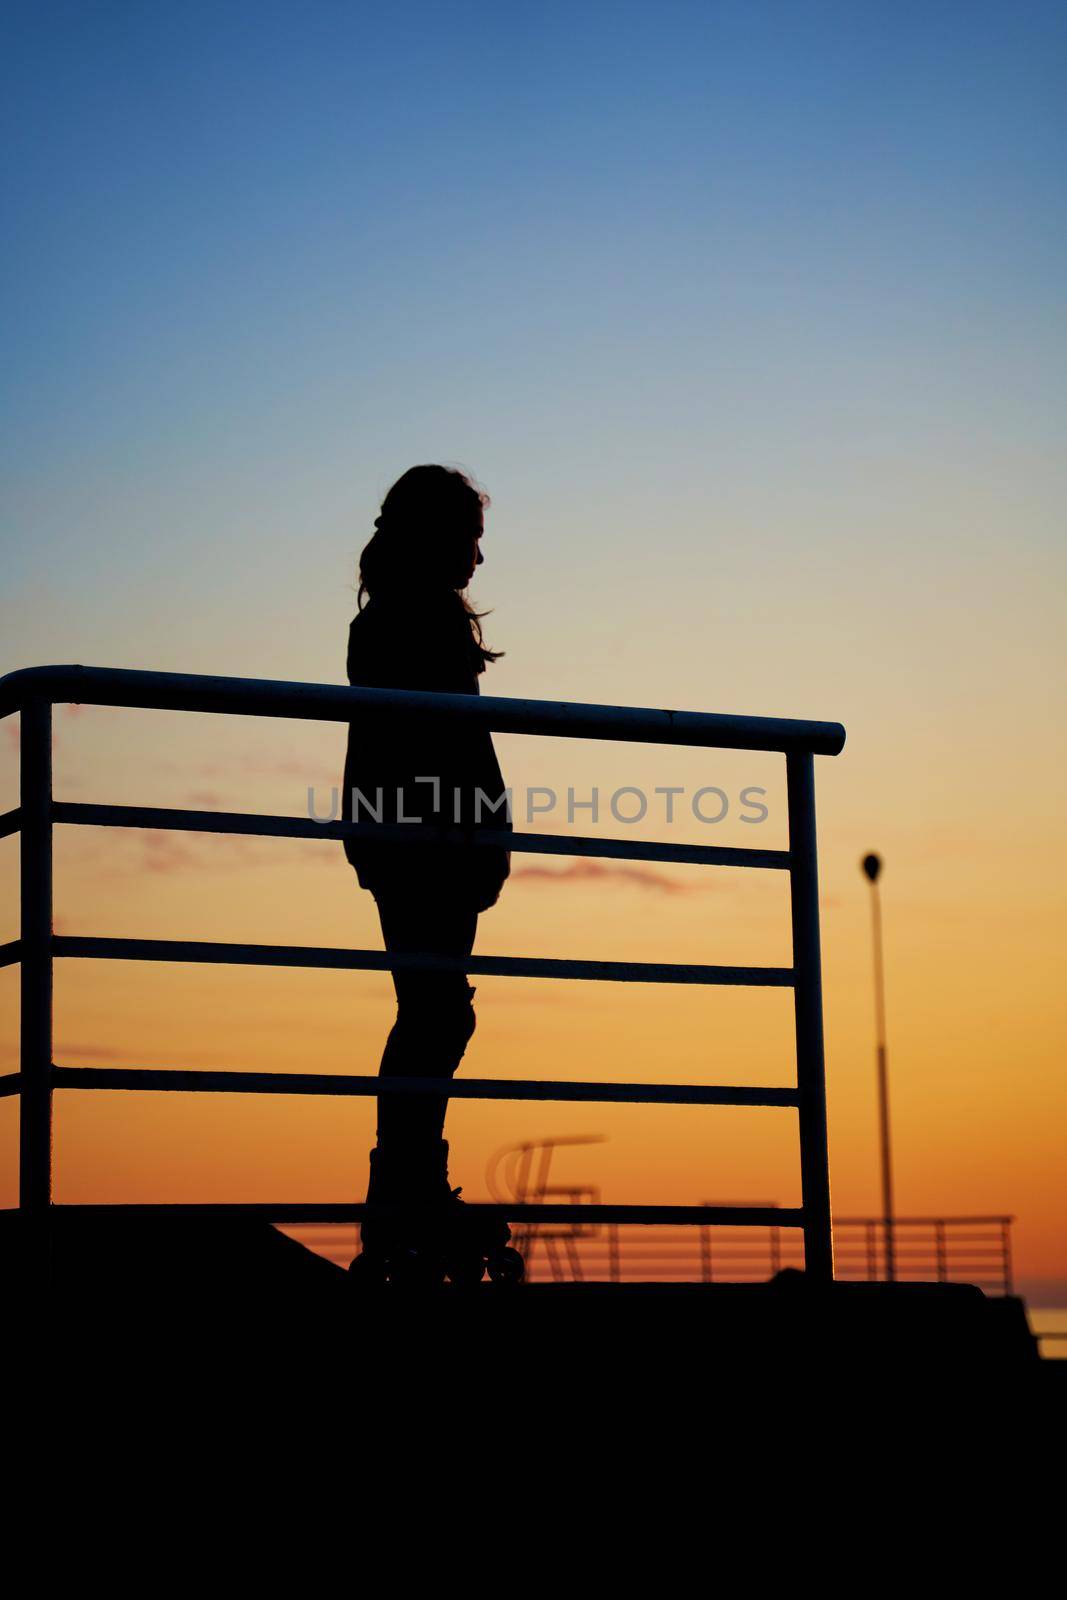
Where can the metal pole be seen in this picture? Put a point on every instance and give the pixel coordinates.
(807, 1005)
(872, 866)
(35, 1120)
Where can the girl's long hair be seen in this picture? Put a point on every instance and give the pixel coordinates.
(419, 536)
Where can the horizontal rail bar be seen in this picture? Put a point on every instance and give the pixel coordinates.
(282, 955)
(925, 1251)
(914, 1222)
(597, 1245)
(917, 1244)
(928, 1252)
(10, 1083)
(10, 822)
(263, 697)
(212, 1082)
(10, 952)
(245, 822)
(682, 1216)
(752, 1246)
(739, 1248)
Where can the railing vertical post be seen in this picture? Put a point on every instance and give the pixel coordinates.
(35, 1111)
(1005, 1256)
(807, 1004)
(941, 1250)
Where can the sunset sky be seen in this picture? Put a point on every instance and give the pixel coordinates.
(749, 317)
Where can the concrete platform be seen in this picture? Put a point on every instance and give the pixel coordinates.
(246, 1291)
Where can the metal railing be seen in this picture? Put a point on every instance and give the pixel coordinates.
(975, 1250)
(34, 691)
(931, 1250)
(941, 1249)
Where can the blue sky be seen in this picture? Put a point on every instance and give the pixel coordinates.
(744, 313)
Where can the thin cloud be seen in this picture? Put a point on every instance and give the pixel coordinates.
(94, 1052)
(162, 851)
(249, 763)
(166, 850)
(584, 870)
(132, 853)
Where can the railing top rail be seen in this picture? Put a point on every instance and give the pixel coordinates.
(327, 702)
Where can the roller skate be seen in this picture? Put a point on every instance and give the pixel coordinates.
(417, 1231)
(473, 1243)
(398, 1246)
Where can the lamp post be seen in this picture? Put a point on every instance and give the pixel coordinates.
(872, 866)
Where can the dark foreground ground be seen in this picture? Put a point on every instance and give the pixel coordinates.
(246, 1292)
(213, 1379)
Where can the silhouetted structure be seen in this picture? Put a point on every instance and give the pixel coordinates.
(34, 691)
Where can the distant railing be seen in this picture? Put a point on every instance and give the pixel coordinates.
(932, 1249)
(34, 691)
(975, 1248)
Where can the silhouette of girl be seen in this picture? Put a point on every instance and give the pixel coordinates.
(415, 629)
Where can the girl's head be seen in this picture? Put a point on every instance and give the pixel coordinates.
(427, 536)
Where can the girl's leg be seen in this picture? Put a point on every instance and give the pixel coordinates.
(435, 1018)
(411, 1206)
